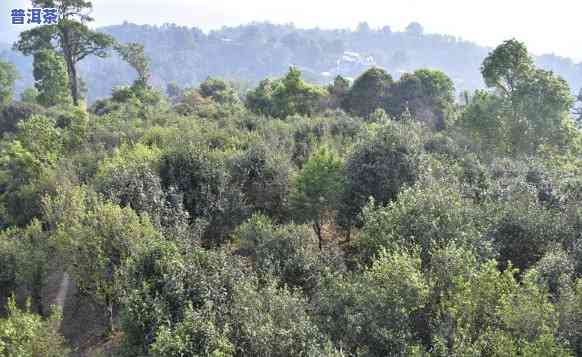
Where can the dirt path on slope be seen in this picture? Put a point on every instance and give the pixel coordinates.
(62, 293)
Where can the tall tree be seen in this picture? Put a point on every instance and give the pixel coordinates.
(545, 99)
(70, 36)
(51, 79)
(536, 101)
(507, 66)
(133, 53)
(8, 76)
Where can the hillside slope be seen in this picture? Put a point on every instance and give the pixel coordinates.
(251, 52)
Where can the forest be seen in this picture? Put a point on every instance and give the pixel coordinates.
(366, 217)
(249, 53)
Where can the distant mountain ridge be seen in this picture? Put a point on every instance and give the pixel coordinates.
(249, 53)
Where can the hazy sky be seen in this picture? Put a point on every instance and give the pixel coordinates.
(546, 26)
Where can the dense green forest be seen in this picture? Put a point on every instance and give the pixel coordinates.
(376, 217)
(250, 53)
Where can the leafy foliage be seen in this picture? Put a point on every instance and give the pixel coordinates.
(209, 191)
(288, 96)
(25, 334)
(317, 190)
(51, 79)
(372, 313)
(379, 168)
(290, 219)
(369, 92)
(8, 76)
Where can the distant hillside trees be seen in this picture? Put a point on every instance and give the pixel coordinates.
(187, 56)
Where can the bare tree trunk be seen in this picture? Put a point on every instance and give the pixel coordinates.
(318, 231)
(61, 297)
(71, 69)
(73, 82)
(110, 318)
(36, 293)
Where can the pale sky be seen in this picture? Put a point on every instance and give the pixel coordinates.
(545, 26)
